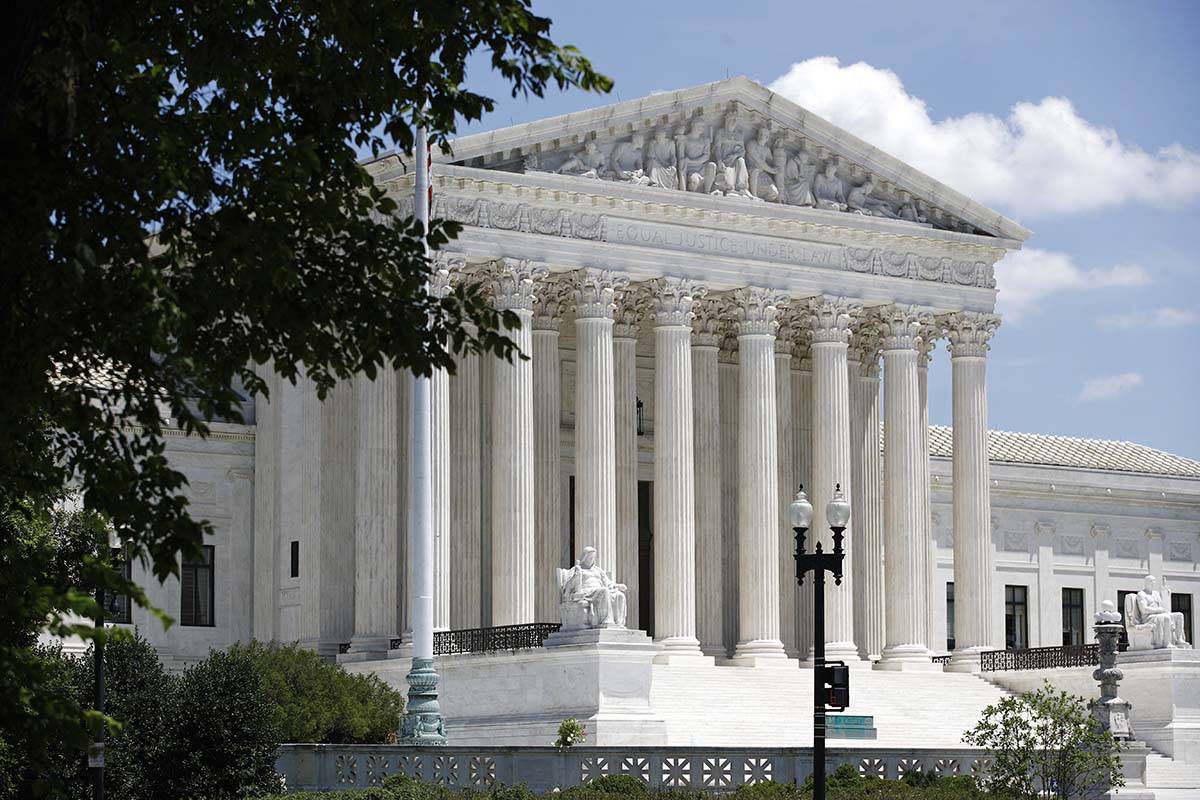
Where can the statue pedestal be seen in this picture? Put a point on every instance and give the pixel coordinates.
(599, 676)
(1163, 687)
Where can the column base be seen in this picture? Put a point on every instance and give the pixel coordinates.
(907, 658)
(366, 648)
(964, 660)
(681, 650)
(842, 651)
(760, 653)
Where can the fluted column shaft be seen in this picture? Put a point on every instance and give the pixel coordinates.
(625, 332)
(786, 490)
(466, 500)
(973, 557)
(831, 462)
(595, 417)
(727, 391)
(376, 526)
(513, 563)
(904, 516)
(802, 413)
(935, 634)
(674, 489)
(547, 423)
(706, 405)
(866, 470)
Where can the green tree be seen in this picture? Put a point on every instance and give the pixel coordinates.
(183, 208)
(1045, 744)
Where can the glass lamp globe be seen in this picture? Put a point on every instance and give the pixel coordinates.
(800, 511)
(837, 513)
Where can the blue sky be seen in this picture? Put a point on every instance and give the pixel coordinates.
(1079, 120)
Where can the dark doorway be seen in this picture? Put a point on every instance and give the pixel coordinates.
(646, 556)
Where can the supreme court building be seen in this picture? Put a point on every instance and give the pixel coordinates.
(722, 297)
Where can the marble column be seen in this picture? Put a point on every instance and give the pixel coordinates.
(595, 416)
(904, 517)
(552, 300)
(267, 538)
(973, 553)
(513, 555)
(935, 628)
(706, 405)
(867, 505)
(727, 390)
(755, 312)
(674, 488)
(830, 320)
(802, 449)
(626, 325)
(786, 490)
(376, 508)
(866, 470)
(439, 442)
(465, 494)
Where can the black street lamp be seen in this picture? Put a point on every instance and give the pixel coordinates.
(831, 683)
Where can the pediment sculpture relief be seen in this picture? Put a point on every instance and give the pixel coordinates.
(737, 160)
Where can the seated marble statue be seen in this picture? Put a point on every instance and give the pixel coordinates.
(1149, 624)
(588, 596)
(587, 163)
(696, 170)
(625, 163)
(764, 165)
(729, 154)
(659, 161)
(798, 174)
(829, 190)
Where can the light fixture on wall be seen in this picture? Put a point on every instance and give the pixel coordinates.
(641, 431)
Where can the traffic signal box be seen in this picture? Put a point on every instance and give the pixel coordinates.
(836, 678)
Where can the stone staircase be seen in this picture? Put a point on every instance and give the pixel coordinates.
(1166, 773)
(709, 706)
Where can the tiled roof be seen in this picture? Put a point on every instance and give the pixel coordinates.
(1065, 451)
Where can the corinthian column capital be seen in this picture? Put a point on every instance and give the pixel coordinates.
(551, 299)
(969, 332)
(710, 326)
(673, 300)
(866, 344)
(513, 283)
(631, 307)
(756, 310)
(829, 319)
(901, 326)
(595, 292)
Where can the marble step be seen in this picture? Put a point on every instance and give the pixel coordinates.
(1166, 773)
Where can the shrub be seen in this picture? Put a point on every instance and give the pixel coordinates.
(769, 790)
(316, 701)
(224, 740)
(625, 785)
(1046, 743)
(570, 733)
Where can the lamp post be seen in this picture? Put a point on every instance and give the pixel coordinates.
(837, 513)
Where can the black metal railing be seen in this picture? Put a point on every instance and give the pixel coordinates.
(941, 659)
(492, 640)
(1079, 655)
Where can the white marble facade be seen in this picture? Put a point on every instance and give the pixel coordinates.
(760, 284)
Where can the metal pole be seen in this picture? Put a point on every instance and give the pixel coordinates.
(819, 682)
(96, 760)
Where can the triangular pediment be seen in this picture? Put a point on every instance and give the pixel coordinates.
(734, 138)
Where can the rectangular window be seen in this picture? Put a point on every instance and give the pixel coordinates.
(294, 571)
(1121, 595)
(950, 616)
(1072, 617)
(196, 580)
(1016, 617)
(1183, 604)
(117, 608)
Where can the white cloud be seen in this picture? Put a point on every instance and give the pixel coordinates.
(1154, 318)
(1026, 277)
(1042, 158)
(1107, 386)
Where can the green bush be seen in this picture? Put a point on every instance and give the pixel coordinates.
(224, 741)
(625, 785)
(316, 701)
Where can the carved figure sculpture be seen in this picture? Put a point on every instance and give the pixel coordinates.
(798, 176)
(860, 200)
(910, 212)
(588, 596)
(587, 163)
(764, 166)
(659, 161)
(625, 163)
(829, 190)
(1149, 624)
(729, 153)
(696, 171)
